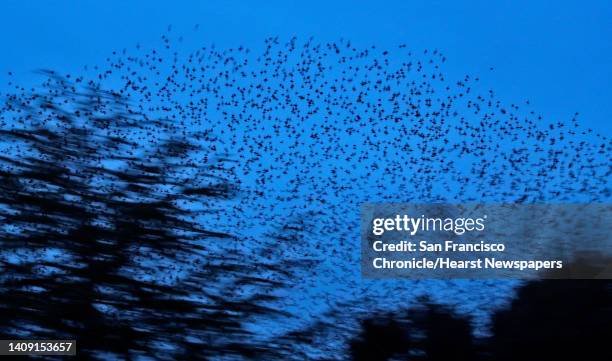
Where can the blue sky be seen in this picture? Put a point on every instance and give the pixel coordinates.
(556, 54)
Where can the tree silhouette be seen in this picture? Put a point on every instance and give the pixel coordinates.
(553, 320)
(102, 239)
(548, 320)
(428, 332)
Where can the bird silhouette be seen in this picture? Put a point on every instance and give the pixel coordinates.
(280, 144)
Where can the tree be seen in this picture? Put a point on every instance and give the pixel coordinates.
(101, 234)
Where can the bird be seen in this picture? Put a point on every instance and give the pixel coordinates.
(309, 130)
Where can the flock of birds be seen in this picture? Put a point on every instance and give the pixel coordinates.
(308, 131)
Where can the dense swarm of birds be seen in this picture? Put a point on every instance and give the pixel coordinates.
(230, 179)
(96, 232)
